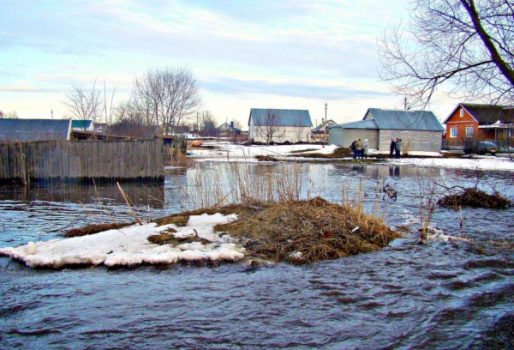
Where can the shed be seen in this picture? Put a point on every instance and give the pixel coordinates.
(279, 125)
(419, 130)
(26, 130)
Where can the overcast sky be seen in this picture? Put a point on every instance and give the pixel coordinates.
(291, 54)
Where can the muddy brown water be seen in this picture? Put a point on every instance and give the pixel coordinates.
(406, 296)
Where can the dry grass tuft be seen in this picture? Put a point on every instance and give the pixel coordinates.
(92, 229)
(266, 158)
(475, 198)
(338, 153)
(303, 231)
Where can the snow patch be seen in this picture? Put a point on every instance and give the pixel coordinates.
(129, 246)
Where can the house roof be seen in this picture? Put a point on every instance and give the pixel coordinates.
(487, 114)
(82, 124)
(404, 120)
(285, 117)
(362, 124)
(322, 125)
(227, 127)
(34, 129)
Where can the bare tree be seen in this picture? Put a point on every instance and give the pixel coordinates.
(10, 115)
(208, 124)
(166, 96)
(299, 131)
(466, 42)
(271, 128)
(84, 104)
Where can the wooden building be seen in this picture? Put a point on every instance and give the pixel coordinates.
(483, 121)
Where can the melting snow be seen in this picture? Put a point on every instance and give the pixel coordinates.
(238, 153)
(129, 246)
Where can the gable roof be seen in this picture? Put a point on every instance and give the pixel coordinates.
(404, 120)
(361, 124)
(486, 114)
(34, 129)
(285, 117)
(324, 124)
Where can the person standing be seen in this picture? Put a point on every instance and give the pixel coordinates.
(392, 148)
(398, 147)
(358, 147)
(365, 148)
(354, 150)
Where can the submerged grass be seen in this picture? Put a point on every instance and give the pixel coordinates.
(475, 198)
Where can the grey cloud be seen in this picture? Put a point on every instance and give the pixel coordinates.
(94, 30)
(238, 87)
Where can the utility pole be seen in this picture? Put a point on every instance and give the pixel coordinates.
(52, 113)
(326, 106)
(197, 129)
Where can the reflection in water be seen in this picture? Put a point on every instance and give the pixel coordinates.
(441, 295)
(394, 170)
(151, 194)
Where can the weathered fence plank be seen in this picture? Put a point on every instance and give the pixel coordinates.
(120, 160)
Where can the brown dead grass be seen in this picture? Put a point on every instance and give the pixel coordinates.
(300, 232)
(95, 228)
(338, 153)
(266, 158)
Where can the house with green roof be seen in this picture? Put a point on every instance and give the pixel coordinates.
(82, 125)
(279, 125)
(419, 130)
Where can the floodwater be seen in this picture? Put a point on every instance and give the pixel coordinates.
(441, 295)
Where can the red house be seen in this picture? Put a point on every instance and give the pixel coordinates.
(489, 122)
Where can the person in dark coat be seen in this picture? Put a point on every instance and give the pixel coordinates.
(398, 147)
(392, 148)
(354, 150)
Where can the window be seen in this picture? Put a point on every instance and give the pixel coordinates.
(469, 131)
(453, 132)
(462, 112)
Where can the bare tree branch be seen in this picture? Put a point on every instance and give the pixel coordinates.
(468, 43)
(166, 96)
(83, 103)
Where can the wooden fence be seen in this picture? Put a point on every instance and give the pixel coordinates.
(133, 160)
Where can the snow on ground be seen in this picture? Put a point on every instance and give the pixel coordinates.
(479, 163)
(373, 152)
(237, 153)
(231, 152)
(129, 246)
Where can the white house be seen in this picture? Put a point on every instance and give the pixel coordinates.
(279, 125)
